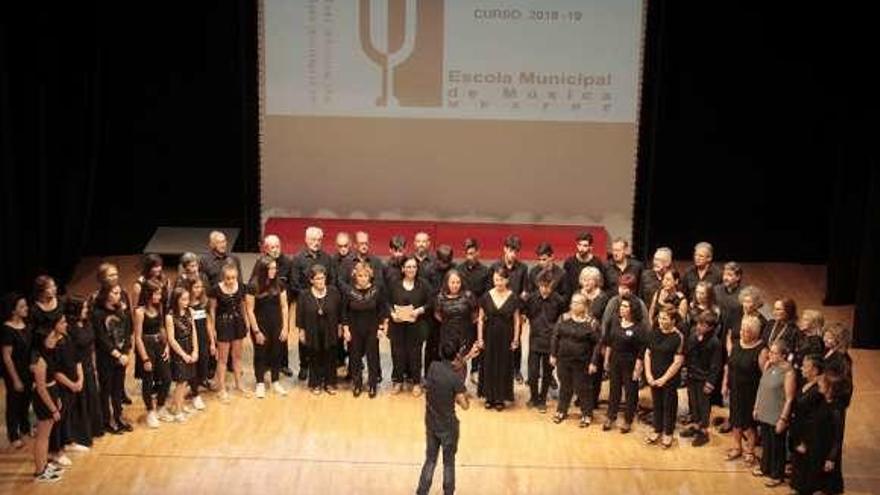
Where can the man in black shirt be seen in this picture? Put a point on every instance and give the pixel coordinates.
(422, 254)
(703, 360)
(727, 298)
(212, 263)
(361, 254)
(621, 263)
(518, 284)
(445, 388)
(543, 308)
(546, 261)
(310, 255)
(393, 271)
(343, 256)
(701, 270)
(582, 258)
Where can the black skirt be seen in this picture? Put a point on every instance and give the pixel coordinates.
(41, 410)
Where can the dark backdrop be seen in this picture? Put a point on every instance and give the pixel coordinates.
(756, 120)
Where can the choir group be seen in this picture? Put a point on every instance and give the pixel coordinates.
(785, 381)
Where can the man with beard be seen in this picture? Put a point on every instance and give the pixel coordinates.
(582, 258)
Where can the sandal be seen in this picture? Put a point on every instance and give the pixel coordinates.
(734, 454)
(652, 438)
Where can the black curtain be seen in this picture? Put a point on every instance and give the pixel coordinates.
(119, 118)
(52, 121)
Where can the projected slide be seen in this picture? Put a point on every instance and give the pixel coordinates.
(546, 60)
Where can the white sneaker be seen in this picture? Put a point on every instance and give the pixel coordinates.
(165, 416)
(63, 460)
(261, 390)
(279, 389)
(54, 467)
(75, 447)
(47, 476)
(180, 417)
(152, 419)
(198, 404)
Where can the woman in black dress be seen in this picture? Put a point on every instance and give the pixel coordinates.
(69, 376)
(205, 337)
(47, 404)
(809, 339)
(152, 364)
(498, 331)
(806, 475)
(113, 337)
(456, 310)
(151, 271)
(318, 316)
(364, 318)
(15, 341)
(741, 379)
(46, 307)
(85, 410)
(838, 364)
(227, 309)
(663, 359)
(575, 350)
(624, 346)
(266, 303)
(183, 341)
(410, 303)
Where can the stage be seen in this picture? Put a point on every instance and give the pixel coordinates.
(341, 445)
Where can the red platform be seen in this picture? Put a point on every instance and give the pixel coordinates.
(490, 235)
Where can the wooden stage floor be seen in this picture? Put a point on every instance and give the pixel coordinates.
(329, 445)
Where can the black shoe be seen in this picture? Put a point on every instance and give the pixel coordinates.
(586, 420)
(499, 406)
(286, 371)
(303, 375)
(725, 428)
(113, 430)
(126, 400)
(559, 417)
(122, 425)
(553, 383)
(371, 392)
(688, 432)
(700, 439)
(329, 390)
(608, 424)
(519, 377)
(357, 390)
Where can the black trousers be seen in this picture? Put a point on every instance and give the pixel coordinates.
(406, 353)
(18, 405)
(435, 440)
(364, 342)
(112, 380)
(596, 382)
(773, 457)
(158, 382)
(699, 402)
(574, 379)
(665, 400)
(267, 357)
(620, 371)
(322, 366)
(539, 369)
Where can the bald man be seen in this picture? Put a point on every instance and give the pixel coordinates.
(212, 263)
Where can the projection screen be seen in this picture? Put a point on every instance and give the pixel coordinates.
(498, 111)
